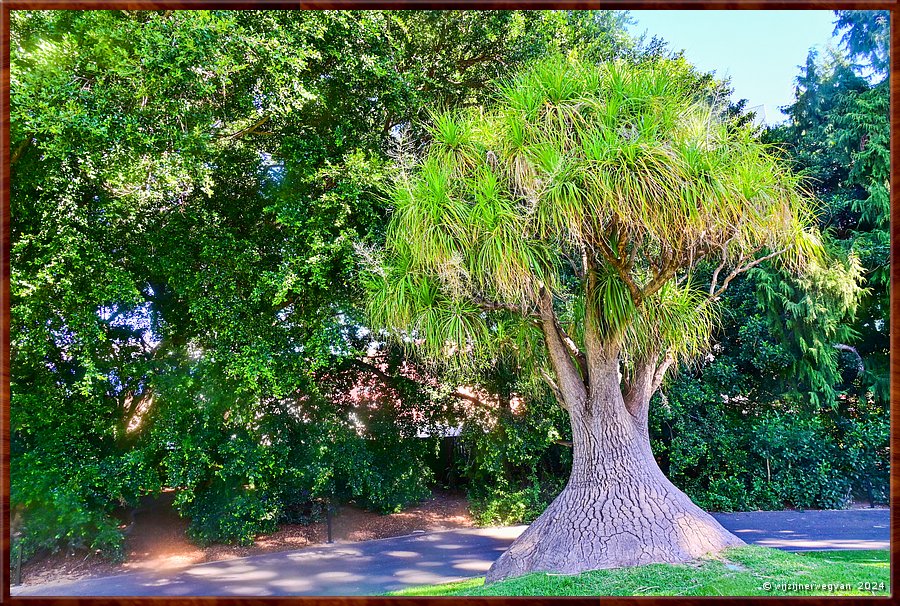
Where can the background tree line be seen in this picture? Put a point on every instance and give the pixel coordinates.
(193, 194)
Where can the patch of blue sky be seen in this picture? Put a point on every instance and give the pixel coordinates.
(760, 51)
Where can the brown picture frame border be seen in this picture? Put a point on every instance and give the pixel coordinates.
(9, 5)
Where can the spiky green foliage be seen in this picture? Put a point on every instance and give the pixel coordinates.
(866, 36)
(603, 186)
(838, 135)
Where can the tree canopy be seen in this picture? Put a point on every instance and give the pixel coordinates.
(604, 187)
(839, 138)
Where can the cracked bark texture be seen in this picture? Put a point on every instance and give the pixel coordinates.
(618, 508)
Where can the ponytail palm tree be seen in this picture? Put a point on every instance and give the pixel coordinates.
(604, 208)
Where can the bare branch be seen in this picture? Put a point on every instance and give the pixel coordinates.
(660, 372)
(715, 276)
(250, 130)
(741, 269)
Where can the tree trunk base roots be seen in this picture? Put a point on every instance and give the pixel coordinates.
(592, 526)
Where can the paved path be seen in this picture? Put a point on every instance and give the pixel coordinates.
(811, 530)
(374, 567)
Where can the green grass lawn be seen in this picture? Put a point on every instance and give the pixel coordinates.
(743, 571)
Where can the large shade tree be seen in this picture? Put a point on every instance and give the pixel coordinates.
(598, 211)
(186, 188)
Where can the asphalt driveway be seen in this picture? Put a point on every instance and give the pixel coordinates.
(374, 567)
(811, 530)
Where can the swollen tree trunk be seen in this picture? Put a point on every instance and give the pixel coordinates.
(618, 509)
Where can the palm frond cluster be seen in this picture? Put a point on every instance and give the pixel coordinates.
(611, 187)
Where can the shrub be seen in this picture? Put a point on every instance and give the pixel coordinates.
(63, 505)
(516, 468)
(730, 454)
(493, 506)
(242, 477)
(229, 513)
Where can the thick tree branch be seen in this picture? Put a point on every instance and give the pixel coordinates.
(595, 347)
(576, 353)
(553, 388)
(386, 378)
(645, 381)
(286, 303)
(637, 388)
(622, 269)
(463, 64)
(501, 306)
(388, 123)
(130, 403)
(570, 383)
(666, 272)
(470, 398)
(391, 381)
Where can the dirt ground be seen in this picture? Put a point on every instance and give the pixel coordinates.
(158, 539)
